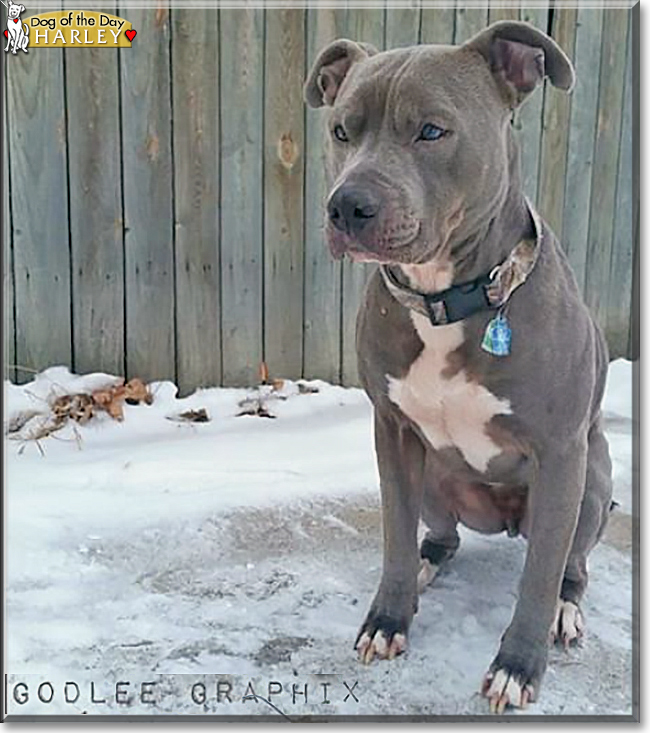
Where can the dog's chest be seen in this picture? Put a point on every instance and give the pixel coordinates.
(450, 410)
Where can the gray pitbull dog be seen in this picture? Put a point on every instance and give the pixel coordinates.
(484, 367)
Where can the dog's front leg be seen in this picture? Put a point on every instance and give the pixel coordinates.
(400, 457)
(515, 674)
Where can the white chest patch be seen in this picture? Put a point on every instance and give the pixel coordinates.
(451, 412)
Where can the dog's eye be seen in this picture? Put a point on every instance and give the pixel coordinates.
(340, 134)
(431, 132)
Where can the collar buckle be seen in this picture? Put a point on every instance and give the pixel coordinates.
(458, 302)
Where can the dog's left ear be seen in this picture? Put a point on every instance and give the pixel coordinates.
(520, 56)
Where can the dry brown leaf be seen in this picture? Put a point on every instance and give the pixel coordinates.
(82, 408)
(200, 415)
(111, 400)
(136, 391)
(264, 372)
(78, 407)
(255, 407)
(102, 397)
(259, 411)
(115, 409)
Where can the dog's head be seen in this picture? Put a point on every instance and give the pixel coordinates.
(418, 137)
(14, 10)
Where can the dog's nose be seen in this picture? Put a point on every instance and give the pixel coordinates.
(350, 208)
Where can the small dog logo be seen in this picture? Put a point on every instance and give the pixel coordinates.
(17, 32)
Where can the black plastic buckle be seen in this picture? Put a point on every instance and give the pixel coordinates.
(459, 301)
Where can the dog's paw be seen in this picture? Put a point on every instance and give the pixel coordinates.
(568, 627)
(380, 637)
(426, 574)
(504, 688)
(515, 675)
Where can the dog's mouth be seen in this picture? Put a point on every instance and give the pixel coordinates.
(376, 249)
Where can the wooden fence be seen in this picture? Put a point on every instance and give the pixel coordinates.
(163, 204)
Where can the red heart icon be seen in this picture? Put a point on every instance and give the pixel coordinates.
(131, 34)
(16, 20)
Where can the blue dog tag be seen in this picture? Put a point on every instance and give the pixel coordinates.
(497, 337)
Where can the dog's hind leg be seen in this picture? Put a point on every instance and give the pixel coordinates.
(441, 540)
(434, 553)
(592, 520)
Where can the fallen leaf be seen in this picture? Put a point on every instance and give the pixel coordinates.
(199, 415)
(259, 411)
(264, 372)
(111, 400)
(254, 407)
(136, 391)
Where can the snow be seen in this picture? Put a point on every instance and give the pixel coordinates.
(152, 550)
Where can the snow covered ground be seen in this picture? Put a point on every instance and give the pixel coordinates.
(244, 552)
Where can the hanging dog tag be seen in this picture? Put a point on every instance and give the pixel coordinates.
(497, 336)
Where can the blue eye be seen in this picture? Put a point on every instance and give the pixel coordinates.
(431, 132)
(340, 134)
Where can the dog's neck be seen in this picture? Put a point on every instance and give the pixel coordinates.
(488, 246)
(431, 277)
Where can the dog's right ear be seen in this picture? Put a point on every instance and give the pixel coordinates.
(330, 69)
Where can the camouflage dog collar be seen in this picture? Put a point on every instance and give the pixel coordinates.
(487, 292)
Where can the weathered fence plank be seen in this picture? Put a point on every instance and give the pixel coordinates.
(368, 26)
(528, 119)
(322, 329)
(633, 347)
(96, 217)
(634, 39)
(218, 260)
(402, 27)
(242, 268)
(494, 16)
(283, 191)
(148, 209)
(437, 25)
(469, 21)
(39, 199)
(508, 13)
(195, 82)
(582, 130)
(555, 129)
(9, 343)
(620, 275)
(603, 189)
